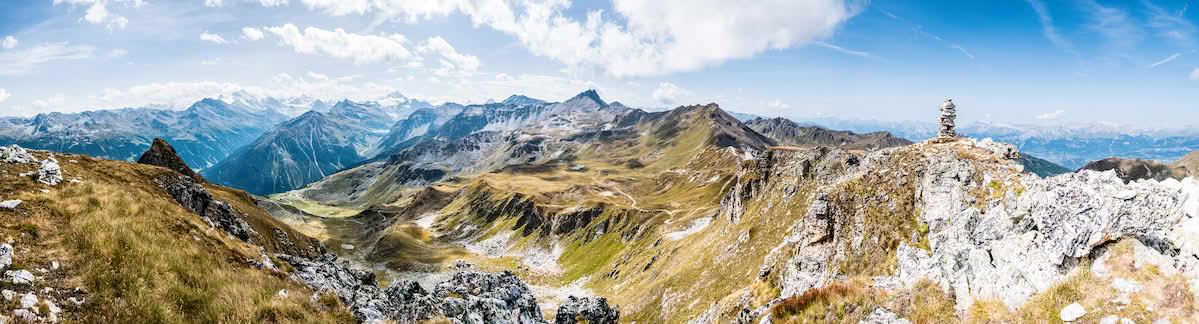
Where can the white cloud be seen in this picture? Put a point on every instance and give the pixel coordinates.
(318, 76)
(97, 11)
(272, 3)
(1195, 74)
(117, 52)
(252, 33)
(503, 77)
(651, 37)
(9, 42)
(777, 104)
(338, 43)
(1165, 60)
(212, 61)
(4, 95)
(23, 61)
(451, 59)
(54, 102)
(214, 3)
(844, 50)
(212, 38)
(668, 93)
(1051, 32)
(1052, 115)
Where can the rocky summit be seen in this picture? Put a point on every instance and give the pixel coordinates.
(162, 154)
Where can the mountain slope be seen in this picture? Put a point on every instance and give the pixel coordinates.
(1137, 169)
(119, 244)
(787, 132)
(297, 152)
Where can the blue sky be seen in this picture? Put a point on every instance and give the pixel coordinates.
(1034, 61)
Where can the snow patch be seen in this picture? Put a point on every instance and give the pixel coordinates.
(695, 227)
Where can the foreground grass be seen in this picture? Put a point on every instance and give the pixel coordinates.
(144, 259)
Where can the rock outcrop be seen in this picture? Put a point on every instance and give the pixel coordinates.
(162, 154)
(194, 197)
(16, 154)
(587, 310)
(1137, 169)
(981, 227)
(467, 297)
(948, 114)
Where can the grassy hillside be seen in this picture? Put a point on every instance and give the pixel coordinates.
(139, 257)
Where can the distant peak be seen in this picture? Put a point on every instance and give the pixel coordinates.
(590, 94)
(521, 100)
(396, 95)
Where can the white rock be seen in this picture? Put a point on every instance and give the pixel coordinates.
(1072, 312)
(76, 301)
(884, 316)
(52, 307)
(5, 256)
(8, 294)
(19, 277)
(25, 315)
(29, 301)
(54, 265)
(15, 154)
(49, 172)
(283, 293)
(1126, 321)
(10, 204)
(1110, 319)
(1126, 286)
(1143, 256)
(1162, 321)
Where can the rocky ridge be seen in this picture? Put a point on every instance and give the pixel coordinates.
(981, 228)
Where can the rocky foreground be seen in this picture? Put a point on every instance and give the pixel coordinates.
(1000, 243)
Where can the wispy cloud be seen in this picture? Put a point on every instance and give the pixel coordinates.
(1052, 115)
(890, 14)
(1050, 31)
(1195, 74)
(963, 50)
(1172, 26)
(846, 50)
(20, 62)
(1165, 60)
(1116, 25)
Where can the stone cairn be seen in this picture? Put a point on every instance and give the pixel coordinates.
(948, 114)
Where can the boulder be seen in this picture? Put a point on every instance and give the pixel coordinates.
(884, 316)
(162, 154)
(10, 204)
(29, 301)
(19, 277)
(5, 256)
(1072, 312)
(587, 310)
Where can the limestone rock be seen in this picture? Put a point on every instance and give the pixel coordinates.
(162, 154)
(948, 115)
(10, 204)
(49, 172)
(15, 154)
(19, 277)
(883, 316)
(488, 298)
(29, 301)
(5, 256)
(1072, 312)
(587, 310)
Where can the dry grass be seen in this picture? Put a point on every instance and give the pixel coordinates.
(142, 257)
(853, 301)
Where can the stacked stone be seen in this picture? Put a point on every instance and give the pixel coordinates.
(948, 114)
